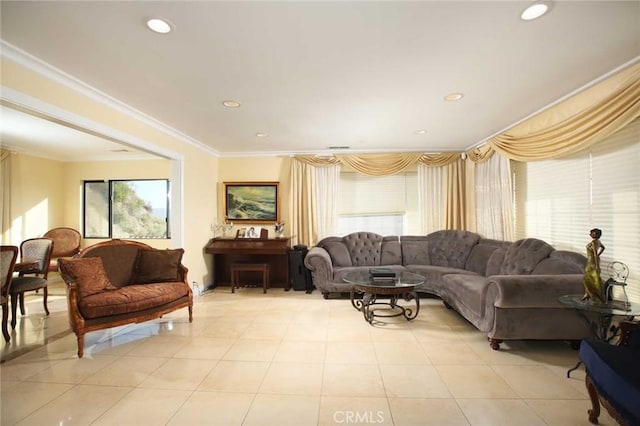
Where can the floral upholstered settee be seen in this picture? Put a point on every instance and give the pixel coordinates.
(119, 282)
(508, 290)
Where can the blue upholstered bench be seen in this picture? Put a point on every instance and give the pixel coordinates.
(613, 375)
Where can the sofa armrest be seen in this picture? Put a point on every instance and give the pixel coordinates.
(319, 263)
(533, 291)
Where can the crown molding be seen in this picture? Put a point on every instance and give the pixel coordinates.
(28, 61)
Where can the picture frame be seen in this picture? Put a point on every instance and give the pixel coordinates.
(252, 202)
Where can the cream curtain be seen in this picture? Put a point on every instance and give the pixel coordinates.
(431, 197)
(455, 209)
(493, 198)
(304, 222)
(327, 187)
(5, 196)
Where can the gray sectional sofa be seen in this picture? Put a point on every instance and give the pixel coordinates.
(508, 290)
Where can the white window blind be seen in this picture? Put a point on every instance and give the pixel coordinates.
(616, 201)
(556, 203)
(561, 200)
(387, 205)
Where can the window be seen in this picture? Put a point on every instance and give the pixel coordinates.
(561, 200)
(126, 209)
(386, 205)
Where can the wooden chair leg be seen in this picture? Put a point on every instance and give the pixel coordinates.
(80, 339)
(594, 413)
(22, 309)
(14, 310)
(5, 319)
(45, 295)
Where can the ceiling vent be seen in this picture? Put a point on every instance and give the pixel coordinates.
(338, 147)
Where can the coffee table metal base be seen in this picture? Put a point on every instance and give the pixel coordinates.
(370, 299)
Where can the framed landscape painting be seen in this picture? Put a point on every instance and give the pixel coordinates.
(251, 202)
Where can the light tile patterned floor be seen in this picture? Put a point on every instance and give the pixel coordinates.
(283, 358)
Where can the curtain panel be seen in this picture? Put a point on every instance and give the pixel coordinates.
(304, 222)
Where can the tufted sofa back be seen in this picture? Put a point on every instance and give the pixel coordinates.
(523, 256)
(451, 248)
(364, 248)
(360, 249)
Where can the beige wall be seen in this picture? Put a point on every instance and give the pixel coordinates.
(256, 169)
(37, 196)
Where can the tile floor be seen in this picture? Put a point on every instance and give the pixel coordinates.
(284, 358)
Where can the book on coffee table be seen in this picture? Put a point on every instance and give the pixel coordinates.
(381, 273)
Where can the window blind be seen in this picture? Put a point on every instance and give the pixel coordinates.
(615, 206)
(561, 200)
(387, 205)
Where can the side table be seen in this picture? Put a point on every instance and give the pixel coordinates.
(599, 316)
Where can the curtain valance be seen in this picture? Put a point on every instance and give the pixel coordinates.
(381, 164)
(588, 126)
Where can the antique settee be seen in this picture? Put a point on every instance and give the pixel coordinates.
(508, 290)
(119, 282)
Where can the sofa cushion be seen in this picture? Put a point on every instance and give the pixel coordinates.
(119, 261)
(495, 262)
(561, 262)
(337, 250)
(132, 298)
(466, 293)
(523, 256)
(451, 247)
(391, 251)
(478, 259)
(88, 273)
(154, 266)
(364, 248)
(415, 250)
(433, 275)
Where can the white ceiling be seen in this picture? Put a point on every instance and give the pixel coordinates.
(312, 75)
(25, 133)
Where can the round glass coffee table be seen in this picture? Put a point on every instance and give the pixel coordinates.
(401, 286)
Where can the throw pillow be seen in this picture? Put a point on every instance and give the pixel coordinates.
(153, 266)
(88, 273)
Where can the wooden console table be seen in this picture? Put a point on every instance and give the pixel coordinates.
(273, 251)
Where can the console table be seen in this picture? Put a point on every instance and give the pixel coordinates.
(272, 251)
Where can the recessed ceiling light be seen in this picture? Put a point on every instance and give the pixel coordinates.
(159, 26)
(231, 104)
(261, 135)
(420, 132)
(535, 11)
(453, 97)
